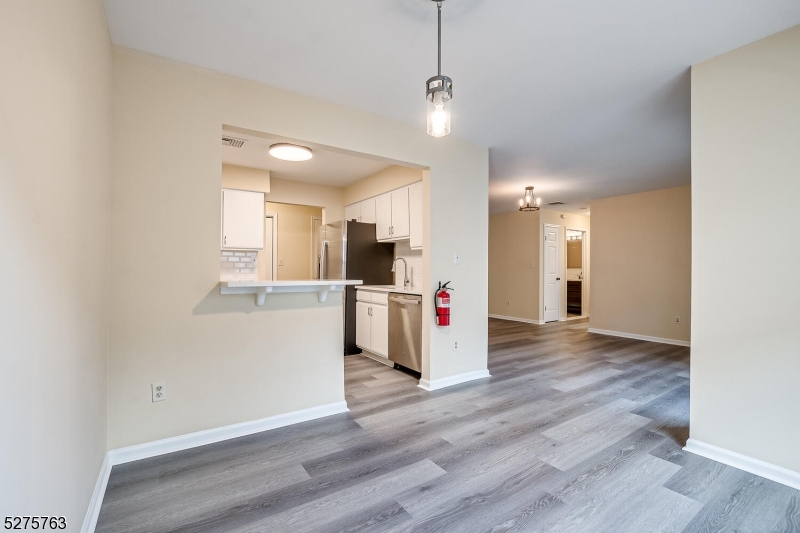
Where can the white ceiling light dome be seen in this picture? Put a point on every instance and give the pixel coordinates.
(290, 152)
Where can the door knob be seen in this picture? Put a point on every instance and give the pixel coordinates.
(558, 279)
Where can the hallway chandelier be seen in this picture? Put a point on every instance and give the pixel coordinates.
(439, 92)
(528, 202)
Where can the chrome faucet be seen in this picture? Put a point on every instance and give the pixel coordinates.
(406, 281)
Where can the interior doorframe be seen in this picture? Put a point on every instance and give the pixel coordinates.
(584, 269)
(274, 217)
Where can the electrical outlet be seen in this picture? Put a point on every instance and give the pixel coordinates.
(159, 391)
(456, 258)
(280, 261)
(678, 319)
(455, 346)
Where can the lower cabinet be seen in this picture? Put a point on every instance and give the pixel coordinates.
(372, 323)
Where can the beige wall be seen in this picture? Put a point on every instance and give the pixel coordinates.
(55, 101)
(641, 260)
(515, 242)
(392, 178)
(245, 178)
(224, 360)
(745, 294)
(299, 192)
(294, 238)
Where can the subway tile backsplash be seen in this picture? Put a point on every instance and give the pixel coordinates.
(238, 266)
(414, 260)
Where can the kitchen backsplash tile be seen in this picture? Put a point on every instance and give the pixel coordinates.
(414, 260)
(238, 266)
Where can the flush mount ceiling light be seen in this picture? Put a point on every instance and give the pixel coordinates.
(528, 202)
(439, 92)
(290, 152)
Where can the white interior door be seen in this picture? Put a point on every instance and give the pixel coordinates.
(552, 273)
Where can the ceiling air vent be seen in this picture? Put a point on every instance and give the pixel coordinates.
(233, 142)
(555, 203)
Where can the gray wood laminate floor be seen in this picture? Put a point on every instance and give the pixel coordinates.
(574, 432)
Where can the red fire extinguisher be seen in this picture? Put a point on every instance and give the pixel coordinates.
(441, 301)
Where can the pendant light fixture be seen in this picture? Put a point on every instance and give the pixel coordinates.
(528, 202)
(439, 92)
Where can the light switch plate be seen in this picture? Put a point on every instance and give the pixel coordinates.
(456, 258)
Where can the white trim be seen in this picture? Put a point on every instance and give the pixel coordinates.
(431, 385)
(90, 520)
(781, 475)
(193, 440)
(636, 336)
(210, 436)
(515, 319)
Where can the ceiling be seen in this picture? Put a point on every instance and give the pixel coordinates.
(327, 167)
(582, 99)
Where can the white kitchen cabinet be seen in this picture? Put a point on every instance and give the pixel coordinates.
(400, 214)
(361, 211)
(372, 323)
(368, 211)
(352, 212)
(383, 216)
(242, 220)
(379, 341)
(363, 326)
(415, 215)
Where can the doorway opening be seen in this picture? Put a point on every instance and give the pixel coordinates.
(576, 263)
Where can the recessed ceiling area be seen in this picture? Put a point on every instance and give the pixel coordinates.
(582, 99)
(326, 167)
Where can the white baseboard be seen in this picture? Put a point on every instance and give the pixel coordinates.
(90, 520)
(636, 336)
(781, 475)
(210, 436)
(431, 385)
(515, 319)
(193, 440)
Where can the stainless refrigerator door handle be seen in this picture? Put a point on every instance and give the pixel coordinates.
(404, 301)
(323, 266)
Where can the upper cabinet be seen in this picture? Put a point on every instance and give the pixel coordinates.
(391, 215)
(400, 213)
(415, 215)
(397, 215)
(242, 220)
(361, 212)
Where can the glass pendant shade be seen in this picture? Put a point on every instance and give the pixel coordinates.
(438, 116)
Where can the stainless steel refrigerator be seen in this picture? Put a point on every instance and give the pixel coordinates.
(350, 250)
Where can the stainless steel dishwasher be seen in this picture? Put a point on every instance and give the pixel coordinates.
(405, 330)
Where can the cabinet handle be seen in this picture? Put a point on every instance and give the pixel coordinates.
(224, 240)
